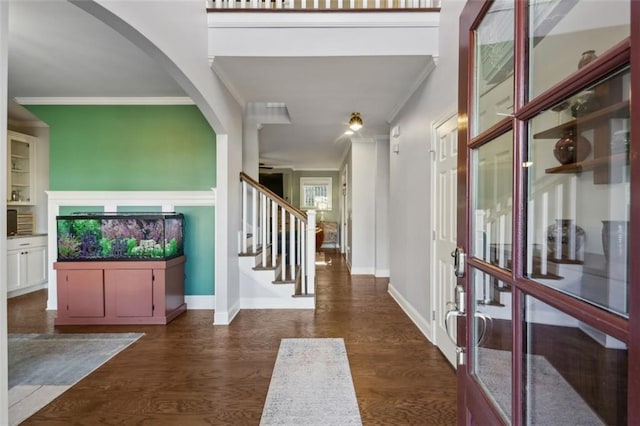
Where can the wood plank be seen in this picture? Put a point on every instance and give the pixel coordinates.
(192, 372)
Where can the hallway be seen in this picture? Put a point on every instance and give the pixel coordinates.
(190, 372)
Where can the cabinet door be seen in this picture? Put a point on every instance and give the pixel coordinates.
(83, 292)
(35, 261)
(129, 292)
(13, 269)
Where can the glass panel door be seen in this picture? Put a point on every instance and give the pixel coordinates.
(547, 210)
(578, 195)
(493, 81)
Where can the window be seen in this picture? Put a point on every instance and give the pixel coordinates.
(315, 193)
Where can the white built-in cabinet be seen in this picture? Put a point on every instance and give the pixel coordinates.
(21, 167)
(26, 264)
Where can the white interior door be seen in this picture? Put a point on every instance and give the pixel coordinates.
(445, 166)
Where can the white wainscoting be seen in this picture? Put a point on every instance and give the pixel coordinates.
(110, 201)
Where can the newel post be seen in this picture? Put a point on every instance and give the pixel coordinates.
(311, 252)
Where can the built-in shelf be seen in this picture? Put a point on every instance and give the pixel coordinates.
(617, 110)
(587, 165)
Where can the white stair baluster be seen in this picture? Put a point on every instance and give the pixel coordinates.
(267, 223)
(530, 236)
(263, 227)
(292, 249)
(543, 230)
(559, 215)
(244, 217)
(283, 243)
(311, 250)
(254, 219)
(303, 258)
(274, 234)
(298, 240)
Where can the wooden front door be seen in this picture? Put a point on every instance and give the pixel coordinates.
(549, 310)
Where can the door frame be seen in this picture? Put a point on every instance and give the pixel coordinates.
(438, 285)
(472, 400)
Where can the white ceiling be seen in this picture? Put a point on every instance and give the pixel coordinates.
(57, 50)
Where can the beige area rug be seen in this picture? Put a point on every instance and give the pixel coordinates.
(43, 366)
(311, 385)
(552, 399)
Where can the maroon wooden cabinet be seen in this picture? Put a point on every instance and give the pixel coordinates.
(141, 292)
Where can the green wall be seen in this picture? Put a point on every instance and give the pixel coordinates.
(140, 148)
(129, 147)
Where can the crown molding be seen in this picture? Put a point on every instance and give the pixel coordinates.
(25, 124)
(426, 71)
(166, 100)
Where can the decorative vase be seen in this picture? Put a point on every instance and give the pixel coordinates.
(585, 103)
(586, 57)
(571, 149)
(615, 240)
(564, 239)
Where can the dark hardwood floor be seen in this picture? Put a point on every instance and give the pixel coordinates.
(191, 372)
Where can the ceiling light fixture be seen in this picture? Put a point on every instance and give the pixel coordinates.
(348, 132)
(355, 122)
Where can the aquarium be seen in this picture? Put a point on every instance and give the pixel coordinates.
(120, 236)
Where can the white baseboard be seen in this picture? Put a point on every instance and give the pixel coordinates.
(21, 291)
(362, 271)
(225, 317)
(200, 302)
(423, 324)
(383, 273)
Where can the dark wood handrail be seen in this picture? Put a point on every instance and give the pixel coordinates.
(275, 197)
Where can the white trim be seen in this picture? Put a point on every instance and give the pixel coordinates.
(111, 200)
(25, 124)
(426, 71)
(357, 19)
(225, 318)
(200, 302)
(26, 290)
(364, 270)
(128, 198)
(315, 169)
(423, 325)
(165, 100)
(383, 273)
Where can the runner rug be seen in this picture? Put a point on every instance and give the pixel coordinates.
(311, 385)
(43, 366)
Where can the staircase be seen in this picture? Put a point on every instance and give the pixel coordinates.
(277, 251)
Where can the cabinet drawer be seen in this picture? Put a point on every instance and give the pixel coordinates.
(26, 242)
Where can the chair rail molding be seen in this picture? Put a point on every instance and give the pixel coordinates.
(110, 201)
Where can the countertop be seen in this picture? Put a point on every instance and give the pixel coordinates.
(13, 237)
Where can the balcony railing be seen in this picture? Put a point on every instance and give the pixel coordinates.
(322, 5)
